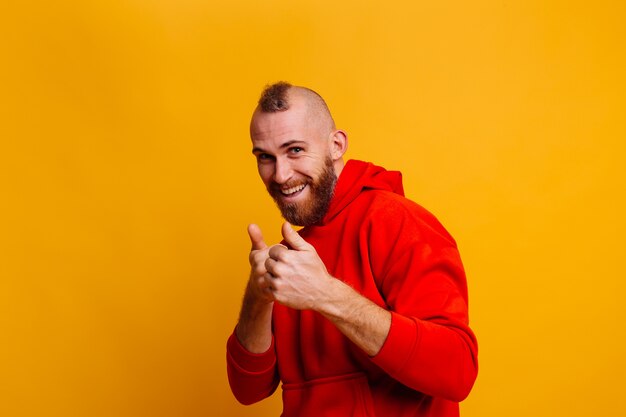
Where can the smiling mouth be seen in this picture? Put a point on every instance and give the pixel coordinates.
(290, 192)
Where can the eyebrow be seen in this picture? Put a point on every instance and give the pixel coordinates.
(282, 146)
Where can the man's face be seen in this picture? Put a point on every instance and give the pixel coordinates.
(294, 162)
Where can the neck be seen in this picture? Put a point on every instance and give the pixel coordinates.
(338, 166)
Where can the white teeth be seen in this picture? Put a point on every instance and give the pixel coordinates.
(293, 190)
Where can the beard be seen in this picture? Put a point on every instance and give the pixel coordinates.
(314, 209)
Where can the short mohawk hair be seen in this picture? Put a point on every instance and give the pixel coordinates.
(274, 97)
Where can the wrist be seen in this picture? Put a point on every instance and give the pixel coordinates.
(335, 299)
(254, 329)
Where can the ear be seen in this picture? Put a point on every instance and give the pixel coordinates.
(338, 144)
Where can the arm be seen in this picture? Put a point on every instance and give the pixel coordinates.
(254, 329)
(298, 279)
(422, 340)
(251, 359)
(359, 319)
(430, 346)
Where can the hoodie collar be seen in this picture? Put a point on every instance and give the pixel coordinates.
(357, 176)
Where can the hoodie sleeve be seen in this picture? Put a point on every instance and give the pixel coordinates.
(252, 377)
(430, 347)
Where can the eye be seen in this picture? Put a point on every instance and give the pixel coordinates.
(264, 157)
(296, 150)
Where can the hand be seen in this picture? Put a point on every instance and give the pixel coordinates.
(296, 277)
(259, 253)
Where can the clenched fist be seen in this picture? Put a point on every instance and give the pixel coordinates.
(295, 277)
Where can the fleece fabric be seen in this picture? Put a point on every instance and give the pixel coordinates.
(398, 255)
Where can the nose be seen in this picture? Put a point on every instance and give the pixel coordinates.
(282, 171)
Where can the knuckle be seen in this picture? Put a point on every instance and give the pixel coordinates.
(277, 251)
(258, 268)
(277, 270)
(258, 259)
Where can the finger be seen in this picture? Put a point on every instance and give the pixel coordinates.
(258, 269)
(265, 288)
(256, 237)
(270, 266)
(293, 238)
(262, 282)
(276, 252)
(269, 282)
(258, 257)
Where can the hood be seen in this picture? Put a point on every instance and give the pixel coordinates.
(357, 176)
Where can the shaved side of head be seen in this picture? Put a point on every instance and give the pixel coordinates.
(318, 110)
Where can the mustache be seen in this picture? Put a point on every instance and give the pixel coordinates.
(275, 188)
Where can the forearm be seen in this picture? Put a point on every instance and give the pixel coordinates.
(254, 329)
(358, 318)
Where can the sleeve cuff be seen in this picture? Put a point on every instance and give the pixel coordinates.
(248, 361)
(398, 346)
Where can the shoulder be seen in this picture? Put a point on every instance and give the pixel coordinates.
(389, 212)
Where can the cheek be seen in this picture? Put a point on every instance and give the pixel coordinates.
(265, 172)
(315, 167)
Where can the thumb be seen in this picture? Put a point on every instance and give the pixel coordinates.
(293, 238)
(256, 237)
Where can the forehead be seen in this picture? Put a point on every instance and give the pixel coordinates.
(279, 127)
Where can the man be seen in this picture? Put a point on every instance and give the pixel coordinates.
(364, 311)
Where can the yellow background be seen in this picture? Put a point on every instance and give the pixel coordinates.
(127, 183)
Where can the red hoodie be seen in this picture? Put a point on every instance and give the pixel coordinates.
(398, 255)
